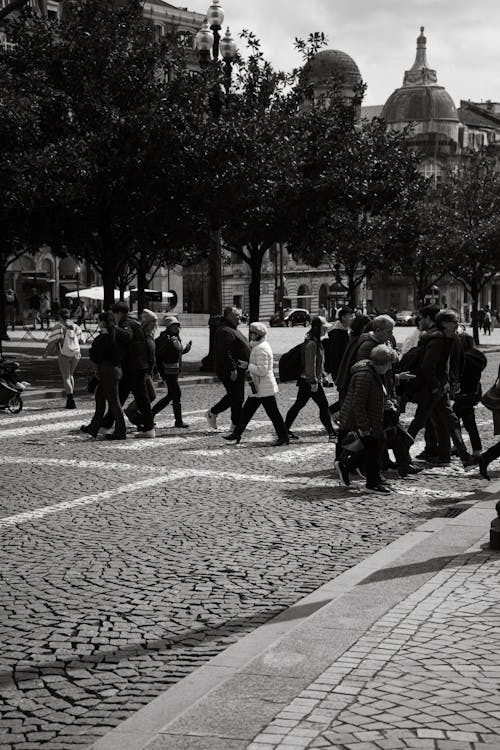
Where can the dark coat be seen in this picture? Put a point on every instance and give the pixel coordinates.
(107, 349)
(229, 345)
(169, 351)
(139, 354)
(363, 406)
(433, 365)
(338, 341)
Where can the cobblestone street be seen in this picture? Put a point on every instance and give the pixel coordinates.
(125, 566)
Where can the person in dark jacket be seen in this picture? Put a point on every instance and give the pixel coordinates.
(107, 352)
(433, 397)
(232, 352)
(469, 395)
(169, 351)
(363, 412)
(338, 341)
(358, 326)
(137, 365)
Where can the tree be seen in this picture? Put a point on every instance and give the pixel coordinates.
(470, 225)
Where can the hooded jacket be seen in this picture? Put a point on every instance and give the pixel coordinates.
(338, 341)
(434, 360)
(261, 370)
(363, 406)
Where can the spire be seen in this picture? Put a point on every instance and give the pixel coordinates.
(420, 74)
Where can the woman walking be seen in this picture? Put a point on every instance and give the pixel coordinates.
(169, 351)
(64, 343)
(107, 353)
(263, 386)
(312, 377)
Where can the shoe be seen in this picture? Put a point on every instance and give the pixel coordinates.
(70, 402)
(468, 461)
(293, 436)
(146, 434)
(483, 468)
(437, 461)
(114, 436)
(410, 470)
(379, 489)
(105, 431)
(232, 437)
(423, 456)
(86, 428)
(281, 441)
(211, 419)
(343, 472)
(181, 424)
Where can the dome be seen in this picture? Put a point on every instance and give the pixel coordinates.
(419, 104)
(332, 64)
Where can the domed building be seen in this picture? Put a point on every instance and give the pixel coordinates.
(332, 66)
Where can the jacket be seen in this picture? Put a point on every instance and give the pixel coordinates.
(314, 362)
(229, 346)
(337, 343)
(470, 379)
(363, 406)
(169, 351)
(107, 349)
(139, 356)
(261, 370)
(434, 360)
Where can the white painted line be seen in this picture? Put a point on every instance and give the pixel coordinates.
(106, 465)
(45, 416)
(301, 453)
(40, 428)
(31, 515)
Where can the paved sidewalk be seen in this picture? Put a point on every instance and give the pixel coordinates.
(399, 652)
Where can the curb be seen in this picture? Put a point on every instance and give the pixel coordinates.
(295, 642)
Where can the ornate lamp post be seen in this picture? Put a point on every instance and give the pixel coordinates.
(210, 46)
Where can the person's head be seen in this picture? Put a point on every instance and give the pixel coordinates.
(383, 326)
(232, 316)
(121, 310)
(318, 328)
(428, 316)
(107, 321)
(172, 324)
(381, 357)
(64, 314)
(446, 321)
(257, 332)
(149, 319)
(358, 324)
(345, 316)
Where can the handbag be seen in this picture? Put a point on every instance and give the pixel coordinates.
(352, 443)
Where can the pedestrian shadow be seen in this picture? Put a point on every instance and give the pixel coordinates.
(222, 635)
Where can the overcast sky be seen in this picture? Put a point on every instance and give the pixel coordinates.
(463, 38)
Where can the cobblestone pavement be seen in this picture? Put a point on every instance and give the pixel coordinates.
(426, 675)
(124, 566)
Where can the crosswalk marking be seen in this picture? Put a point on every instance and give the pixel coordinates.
(80, 464)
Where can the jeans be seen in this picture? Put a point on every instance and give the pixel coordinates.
(67, 366)
(107, 393)
(173, 394)
(235, 395)
(303, 395)
(134, 382)
(270, 407)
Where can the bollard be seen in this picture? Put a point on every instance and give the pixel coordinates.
(495, 530)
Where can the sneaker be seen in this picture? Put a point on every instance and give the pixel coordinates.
(105, 430)
(211, 419)
(410, 470)
(292, 435)
(423, 456)
(86, 428)
(379, 489)
(146, 434)
(343, 472)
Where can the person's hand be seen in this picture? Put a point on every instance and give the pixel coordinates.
(407, 376)
(242, 364)
(314, 388)
(188, 347)
(233, 375)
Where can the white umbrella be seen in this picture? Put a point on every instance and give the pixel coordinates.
(93, 292)
(164, 295)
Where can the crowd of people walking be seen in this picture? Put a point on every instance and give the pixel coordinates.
(438, 369)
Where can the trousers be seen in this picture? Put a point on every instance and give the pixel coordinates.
(304, 393)
(233, 398)
(134, 382)
(107, 394)
(270, 407)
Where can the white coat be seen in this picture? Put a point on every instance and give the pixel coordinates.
(260, 368)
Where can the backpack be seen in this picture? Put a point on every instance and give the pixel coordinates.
(70, 345)
(291, 364)
(410, 360)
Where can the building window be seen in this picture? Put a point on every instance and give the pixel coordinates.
(432, 170)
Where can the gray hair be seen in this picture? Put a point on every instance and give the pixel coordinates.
(382, 322)
(381, 354)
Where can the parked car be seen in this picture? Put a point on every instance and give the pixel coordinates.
(405, 318)
(296, 316)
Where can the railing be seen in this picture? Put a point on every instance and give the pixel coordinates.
(8, 46)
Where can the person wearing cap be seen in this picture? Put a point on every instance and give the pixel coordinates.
(312, 377)
(137, 365)
(169, 351)
(263, 387)
(232, 352)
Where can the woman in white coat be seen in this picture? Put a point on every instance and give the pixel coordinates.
(263, 386)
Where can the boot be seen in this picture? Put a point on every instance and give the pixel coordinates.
(70, 402)
(178, 415)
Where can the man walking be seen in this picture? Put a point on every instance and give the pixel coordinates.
(232, 352)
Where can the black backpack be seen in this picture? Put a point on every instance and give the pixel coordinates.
(291, 364)
(410, 361)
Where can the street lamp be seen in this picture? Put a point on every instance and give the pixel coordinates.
(78, 270)
(210, 46)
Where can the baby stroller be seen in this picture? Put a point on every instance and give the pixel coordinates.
(10, 387)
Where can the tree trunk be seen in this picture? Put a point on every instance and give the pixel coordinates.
(215, 273)
(3, 322)
(254, 291)
(474, 293)
(351, 291)
(108, 280)
(141, 286)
